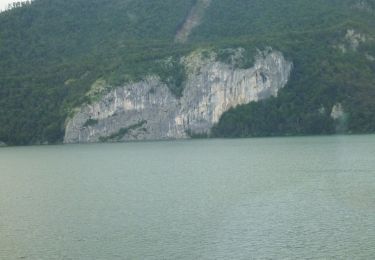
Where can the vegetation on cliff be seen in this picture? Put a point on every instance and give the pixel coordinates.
(51, 52)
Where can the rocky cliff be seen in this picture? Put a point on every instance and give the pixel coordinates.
(148, 110)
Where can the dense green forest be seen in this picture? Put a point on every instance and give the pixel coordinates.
(52, 51)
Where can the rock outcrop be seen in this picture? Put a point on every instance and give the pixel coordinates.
(362, 5)
(341, 118)
(352, 41)
(337, 112)
(148, 109)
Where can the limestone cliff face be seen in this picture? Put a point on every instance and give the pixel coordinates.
(148, 110)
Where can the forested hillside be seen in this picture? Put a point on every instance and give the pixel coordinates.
(52, 51)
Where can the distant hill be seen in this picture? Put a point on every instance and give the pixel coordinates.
(53, 51)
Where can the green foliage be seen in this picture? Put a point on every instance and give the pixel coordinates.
(51, 52)
(322, 77)
(172, 73)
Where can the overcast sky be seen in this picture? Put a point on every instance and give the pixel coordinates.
(4, 3)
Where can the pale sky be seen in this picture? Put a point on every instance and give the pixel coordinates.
(4, 3)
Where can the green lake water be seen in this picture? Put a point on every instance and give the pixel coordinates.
(275, 198)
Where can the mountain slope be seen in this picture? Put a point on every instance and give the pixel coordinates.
(52, 52)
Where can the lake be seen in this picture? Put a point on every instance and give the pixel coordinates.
(271, 198)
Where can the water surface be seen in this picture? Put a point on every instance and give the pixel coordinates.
(311, 197)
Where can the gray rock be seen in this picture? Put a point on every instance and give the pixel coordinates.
(363, 5)
(352, 41)
(211, 89)
(337, 112)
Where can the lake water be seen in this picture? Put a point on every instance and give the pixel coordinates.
(276, 198)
